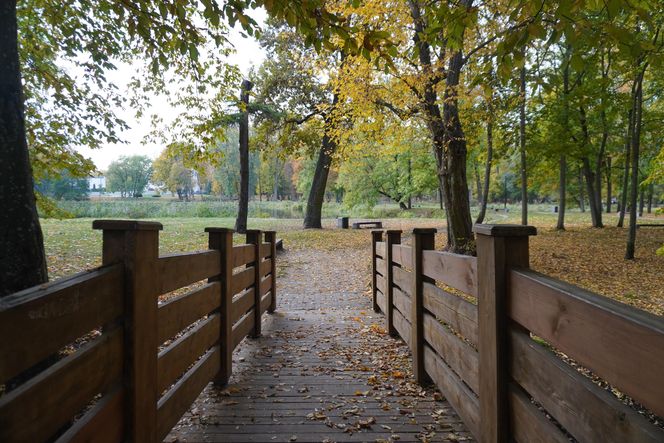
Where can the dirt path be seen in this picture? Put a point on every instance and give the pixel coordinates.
(324, 369)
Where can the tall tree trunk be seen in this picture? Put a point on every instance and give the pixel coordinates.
(478, 183)
(313, 214)
(582, 196)
(243, 205)
(449, 142)
(609, 195)
(22, 260)
(642, 200)
(487, 171)
(634, 185)
(522, 146)
(651, 191)
(628, 151)
(275, 186)
(410, 183)
(562, 191)
(595, 208)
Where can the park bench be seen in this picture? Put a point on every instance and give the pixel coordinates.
(368, 224)
(650, 225)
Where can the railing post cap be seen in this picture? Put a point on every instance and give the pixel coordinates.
(126, 225)
(505, 230)
(424, 231)
(376, 232)
(393, 231)
(269, 232)
(253, 231)
(220, 230)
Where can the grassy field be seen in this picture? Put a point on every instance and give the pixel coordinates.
(591, 258)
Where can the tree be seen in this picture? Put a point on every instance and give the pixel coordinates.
(64, 187)
(243, 203)
(170, 172)
(129, 175)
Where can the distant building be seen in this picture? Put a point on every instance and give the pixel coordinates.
(96, 184)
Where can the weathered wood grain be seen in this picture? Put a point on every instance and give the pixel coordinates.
(380, 249)
(459, 314)
(55, 396)
(55, 314)
(178, 399)
(241, 304)
(585, 410)
(403, 279)
(457, 271)
(460, 356)
(527, 423)
(402, 255)
(621, 344)
(402, 325)
(179, 270)
(462, 399)
(402, 303)
(179, 312)
(242, 328)
(243, 254)
(103, 423)
(183, 352)
(242, 280)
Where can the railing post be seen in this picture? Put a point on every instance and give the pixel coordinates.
(222, 240)
(499, 248)
(376, 236)
(393, 238)
(271, 237)
(136, 244)
(423, 239)
(255, 237)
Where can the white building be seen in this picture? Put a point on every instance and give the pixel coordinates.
(96, 184)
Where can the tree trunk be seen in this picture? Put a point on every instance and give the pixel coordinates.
(595, 207)
(562, 191)
(636, 143)
(487, 171)
(23, 261)
(651, 191)
(582, 196)
(243, 206)
(609, 196)
(628, 150)
(410, 183)
(313, 214)
(642, 200)
(522, 146)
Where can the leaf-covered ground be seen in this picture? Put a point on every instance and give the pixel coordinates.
(591, 258)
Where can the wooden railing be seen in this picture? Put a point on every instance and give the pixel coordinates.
(505, 344)
(141, 364)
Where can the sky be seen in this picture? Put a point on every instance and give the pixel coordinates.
(247, 54)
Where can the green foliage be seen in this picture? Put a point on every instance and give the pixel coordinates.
(64, 187)
(129, 175)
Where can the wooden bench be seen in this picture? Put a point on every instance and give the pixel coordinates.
(650, 225)
(368, 224)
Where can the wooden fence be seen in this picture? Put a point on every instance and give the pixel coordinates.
(143, 363)
(493, 360)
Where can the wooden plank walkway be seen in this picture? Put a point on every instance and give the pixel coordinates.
(323, 371)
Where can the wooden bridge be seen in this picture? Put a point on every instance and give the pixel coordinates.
(323, 368)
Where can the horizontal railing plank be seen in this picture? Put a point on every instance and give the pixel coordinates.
(180, 397)
(381, 285)
(266, 249)
(402, 278)
(243, 254)
(38, 322)
(380, 249)
(242, 280)
(180, 270)
(402, 325)
(401, 302)
(183, 352)
(241, 304)
(380, 300)
(586, 411)
(103, 423)
(462, 399)
(459, 355)
(380, 266)
(179, 312)
(528, 423)
(265, 267)
(621, 344)
(57, 394)
(459, 314)
(265, 302)
(266, 285)
(402, 255)
(455, 270)
(242, 328)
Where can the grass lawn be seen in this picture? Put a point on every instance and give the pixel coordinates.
(591, 258)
